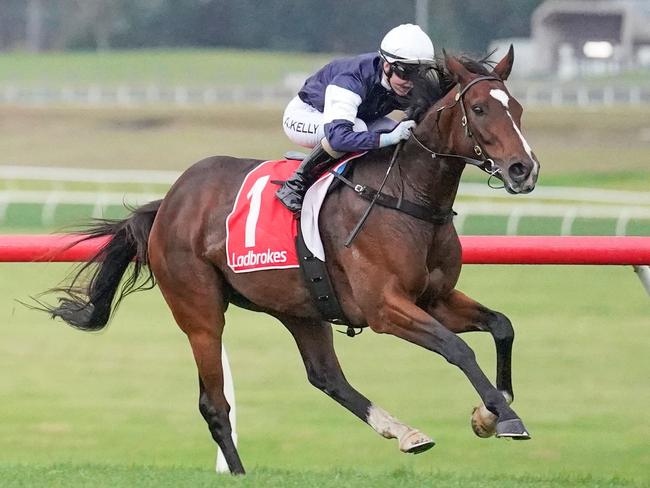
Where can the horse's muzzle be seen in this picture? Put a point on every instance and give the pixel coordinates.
(520, 178)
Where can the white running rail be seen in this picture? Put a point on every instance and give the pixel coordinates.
(221, 465)
(568, 214)
(129, 95)
(40, 173)
(474, 198)
(50, 200)
(572, 194)
(9, 173)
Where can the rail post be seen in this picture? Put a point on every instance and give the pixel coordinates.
(643, 272)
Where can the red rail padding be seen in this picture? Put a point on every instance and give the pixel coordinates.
(476, 249)
(35, 248)
(555, 250)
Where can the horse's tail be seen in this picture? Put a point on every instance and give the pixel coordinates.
(88, 301)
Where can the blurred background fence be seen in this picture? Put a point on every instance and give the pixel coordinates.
(529, 94)
(47, 197)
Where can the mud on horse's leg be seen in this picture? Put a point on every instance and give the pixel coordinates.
(400, 317)
(315, 343)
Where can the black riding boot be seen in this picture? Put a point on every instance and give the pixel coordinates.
(293, 190)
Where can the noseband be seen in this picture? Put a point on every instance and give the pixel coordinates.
(485, 163)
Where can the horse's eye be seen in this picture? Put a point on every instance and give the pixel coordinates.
(477, 110)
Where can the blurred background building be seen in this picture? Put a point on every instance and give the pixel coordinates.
(573, 37)
(567, 38)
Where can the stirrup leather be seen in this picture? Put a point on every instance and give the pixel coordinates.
(292, 192)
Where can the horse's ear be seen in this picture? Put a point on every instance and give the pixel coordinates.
(504, 67)
(455, 67)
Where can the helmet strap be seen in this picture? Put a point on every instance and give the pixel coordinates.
(389, 74)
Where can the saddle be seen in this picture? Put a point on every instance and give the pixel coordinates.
(262, 234)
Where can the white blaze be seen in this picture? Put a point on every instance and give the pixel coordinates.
(503, 97)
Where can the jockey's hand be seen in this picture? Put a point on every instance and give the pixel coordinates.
(399, 133)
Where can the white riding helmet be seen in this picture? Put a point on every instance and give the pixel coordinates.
(407, 43)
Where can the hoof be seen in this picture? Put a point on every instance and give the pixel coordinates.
(512, 429)
(415, 442)
(483, 421)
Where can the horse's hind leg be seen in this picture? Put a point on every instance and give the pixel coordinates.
(193, 290)
(459, 313)
(315, 343)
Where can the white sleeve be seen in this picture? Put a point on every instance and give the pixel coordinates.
(340, 104)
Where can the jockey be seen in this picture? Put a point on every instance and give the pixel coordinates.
(343, 106)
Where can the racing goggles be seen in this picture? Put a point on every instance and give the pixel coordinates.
(407, 71)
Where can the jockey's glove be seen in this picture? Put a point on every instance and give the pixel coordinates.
(401, 132)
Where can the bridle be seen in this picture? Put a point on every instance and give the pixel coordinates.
(417, 210)
(486, 163)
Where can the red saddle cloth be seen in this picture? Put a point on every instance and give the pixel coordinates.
(261, 232)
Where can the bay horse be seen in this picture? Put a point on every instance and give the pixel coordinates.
(397, 277)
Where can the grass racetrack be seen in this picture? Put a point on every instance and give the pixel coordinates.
(143, 67)
(119, 408)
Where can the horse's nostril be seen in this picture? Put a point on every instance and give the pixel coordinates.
(518, 172)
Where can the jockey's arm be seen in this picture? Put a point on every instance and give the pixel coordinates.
(339, 117)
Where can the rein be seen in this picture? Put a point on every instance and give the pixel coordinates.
(415, 210)
(479, 163)
(376, 197)
(362, 221)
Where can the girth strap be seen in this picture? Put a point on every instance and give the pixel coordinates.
(319, 284)
(422, 212)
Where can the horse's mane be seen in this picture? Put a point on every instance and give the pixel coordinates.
(438, 81)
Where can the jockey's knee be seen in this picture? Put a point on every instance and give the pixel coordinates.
(302, 123)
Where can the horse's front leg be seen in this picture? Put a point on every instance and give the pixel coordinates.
(459, 313)
(315, 343)
(399, 316)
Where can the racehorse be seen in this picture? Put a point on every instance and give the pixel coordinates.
(397, 277)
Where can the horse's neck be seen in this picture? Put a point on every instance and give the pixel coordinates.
(433, 181)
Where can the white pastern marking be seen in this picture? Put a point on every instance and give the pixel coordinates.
(503, 97)
(507, 396)
(385, 424)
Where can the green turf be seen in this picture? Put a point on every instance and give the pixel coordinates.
(197, 67)
(66, 475)
(127, 397)
(190, 67)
